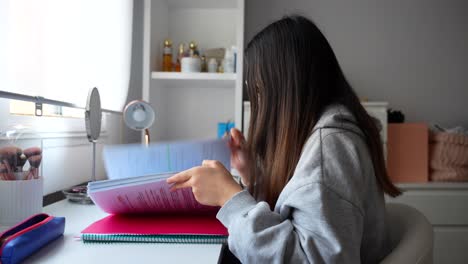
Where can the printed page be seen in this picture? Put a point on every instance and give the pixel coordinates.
(122, 161)
(152, 197)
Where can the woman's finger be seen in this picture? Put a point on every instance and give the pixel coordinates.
(208, 163)
(237, 137)
(212, 164)
(235, 146)
(180, 177)
(181, 185)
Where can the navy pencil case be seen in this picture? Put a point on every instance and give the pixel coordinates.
(27, 237)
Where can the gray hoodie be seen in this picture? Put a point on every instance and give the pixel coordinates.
(331, 211)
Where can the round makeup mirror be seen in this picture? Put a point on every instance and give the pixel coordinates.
(139, 115)
(93, 118)
(93, 115)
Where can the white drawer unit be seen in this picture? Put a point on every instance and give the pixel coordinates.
(446, 206)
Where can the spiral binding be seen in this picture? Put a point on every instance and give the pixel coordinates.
(184, 239)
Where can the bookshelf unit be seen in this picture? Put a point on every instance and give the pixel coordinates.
(190, 105)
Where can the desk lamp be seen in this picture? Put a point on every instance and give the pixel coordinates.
(139, 115)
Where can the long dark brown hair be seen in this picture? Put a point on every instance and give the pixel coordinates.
(291, 76)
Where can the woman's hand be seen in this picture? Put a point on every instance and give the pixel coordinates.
(239, 159)
(211, 183)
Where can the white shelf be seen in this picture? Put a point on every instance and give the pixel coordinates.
(434, 186)
(193, 76)
(202, 4)
(199, 80)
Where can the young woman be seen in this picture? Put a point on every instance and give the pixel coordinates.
(313, 161)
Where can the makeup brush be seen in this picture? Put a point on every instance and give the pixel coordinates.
(29, 152)
(34, 156)
(3, 173)
(34, 162)
(10, 154)
(21, 160)
(9, 158)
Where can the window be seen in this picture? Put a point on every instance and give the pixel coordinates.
(60, 49)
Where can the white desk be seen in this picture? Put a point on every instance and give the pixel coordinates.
(68, 249)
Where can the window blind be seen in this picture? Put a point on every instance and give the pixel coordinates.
(59, 49)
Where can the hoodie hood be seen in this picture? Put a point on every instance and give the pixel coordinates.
(338, 117)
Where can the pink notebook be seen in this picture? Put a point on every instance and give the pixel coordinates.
(164, 228)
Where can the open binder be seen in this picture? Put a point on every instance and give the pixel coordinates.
(143, 209)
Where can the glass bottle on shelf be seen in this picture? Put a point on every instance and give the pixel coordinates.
(204, 66)
(167, 56)
(179, 57)
(193, 51)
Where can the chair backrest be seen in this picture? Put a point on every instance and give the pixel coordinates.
(411, 235)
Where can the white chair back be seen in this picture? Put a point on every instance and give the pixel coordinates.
(411, 236)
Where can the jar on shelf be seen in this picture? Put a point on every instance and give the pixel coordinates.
(191, 64)
(212, 65)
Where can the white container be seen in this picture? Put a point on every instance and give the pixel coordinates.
(228, 61)
(212, 65)
(19, 200)
(190, 64)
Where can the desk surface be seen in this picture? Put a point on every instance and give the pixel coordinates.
(68, 249)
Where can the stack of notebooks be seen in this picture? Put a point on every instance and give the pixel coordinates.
(142, 208)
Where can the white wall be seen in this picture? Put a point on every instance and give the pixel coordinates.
(413, 54)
